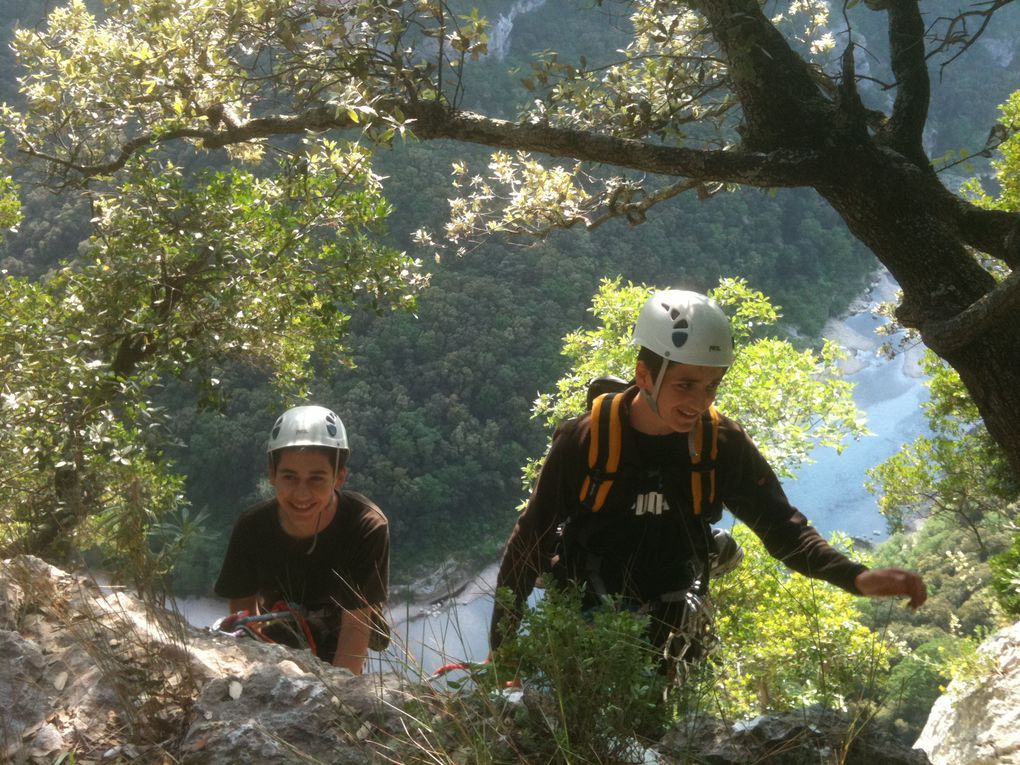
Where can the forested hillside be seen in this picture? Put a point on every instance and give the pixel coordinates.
(225, 207)
(438, 399)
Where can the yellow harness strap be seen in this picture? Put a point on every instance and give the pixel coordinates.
(606, 435)
(696, 442)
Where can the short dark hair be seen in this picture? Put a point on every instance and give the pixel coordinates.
(652, 360)
(337, 457)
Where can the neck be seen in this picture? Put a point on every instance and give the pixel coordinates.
(644, 420)
(326, 517)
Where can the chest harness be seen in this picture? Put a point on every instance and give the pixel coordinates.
(605, 447)
(690, 609)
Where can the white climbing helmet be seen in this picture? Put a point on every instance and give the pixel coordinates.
(685, 327)
(308, 426)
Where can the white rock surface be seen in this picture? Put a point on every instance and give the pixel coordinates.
(977, 722)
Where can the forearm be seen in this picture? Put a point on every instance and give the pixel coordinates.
(352, 645)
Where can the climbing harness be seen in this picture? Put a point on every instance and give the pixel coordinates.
(604, 450)
(282, 614)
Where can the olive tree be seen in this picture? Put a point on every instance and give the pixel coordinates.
(709, 93)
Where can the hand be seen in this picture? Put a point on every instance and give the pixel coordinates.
(892, 582)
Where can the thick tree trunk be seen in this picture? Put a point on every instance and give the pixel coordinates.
(907, 219)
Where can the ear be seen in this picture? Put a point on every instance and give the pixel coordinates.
(271, 470)
(643, 377)
(341, 477)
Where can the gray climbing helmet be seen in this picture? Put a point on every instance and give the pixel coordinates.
(308, 426)
(685, 327)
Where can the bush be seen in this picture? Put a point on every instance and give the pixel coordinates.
(590, 680)
(1005, 569)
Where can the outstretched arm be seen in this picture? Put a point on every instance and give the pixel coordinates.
(892, 582)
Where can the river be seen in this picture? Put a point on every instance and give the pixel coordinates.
(830, 491)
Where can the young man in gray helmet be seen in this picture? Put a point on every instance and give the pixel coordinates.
(314, 549)
(639, 531)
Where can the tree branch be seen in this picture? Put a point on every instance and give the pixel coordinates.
(957, 34)
(781, 168)
(784, 168)
(1001, 307)
(782, 103)
(233, 131)
(995, 232)
(905, 128)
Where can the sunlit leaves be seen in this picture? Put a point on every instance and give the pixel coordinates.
(156, 70)
(10, 206)
(788, 641)
(270, 267)
(1007, 164)
(521, 196)
(73, 439)
(153, 66)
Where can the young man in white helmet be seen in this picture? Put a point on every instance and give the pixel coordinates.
(321, 550)
(649, 542)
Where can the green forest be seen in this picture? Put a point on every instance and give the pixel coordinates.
(160, 312)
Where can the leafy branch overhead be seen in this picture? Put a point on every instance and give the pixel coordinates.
(707, 93)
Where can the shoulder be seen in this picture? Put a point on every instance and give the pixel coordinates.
(257, 516)
(733, 434)
(573, 429)
(570, 442)
(363, 512)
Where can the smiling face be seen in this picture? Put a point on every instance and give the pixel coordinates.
(687, 391)
(305, 481)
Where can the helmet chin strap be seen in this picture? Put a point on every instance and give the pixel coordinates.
(315, 537)
(652, 399)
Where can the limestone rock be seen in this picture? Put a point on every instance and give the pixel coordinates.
(977, 721)
(99, 674)
(806, 737)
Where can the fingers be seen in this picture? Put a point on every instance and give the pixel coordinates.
(893, 582)
(917, 591)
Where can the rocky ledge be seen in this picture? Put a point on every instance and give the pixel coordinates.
(101, 675)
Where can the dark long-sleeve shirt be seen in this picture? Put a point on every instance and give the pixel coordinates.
(656, 544)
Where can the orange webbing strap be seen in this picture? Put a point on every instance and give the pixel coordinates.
(605, 438)
(713, 413)
(696, 442)
(281, 610)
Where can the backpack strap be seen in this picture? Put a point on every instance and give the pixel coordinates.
(603, 450)
(703, 443)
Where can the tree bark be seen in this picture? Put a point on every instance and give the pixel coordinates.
(901, 214)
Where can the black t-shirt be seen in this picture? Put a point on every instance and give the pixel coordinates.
(347, 566)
